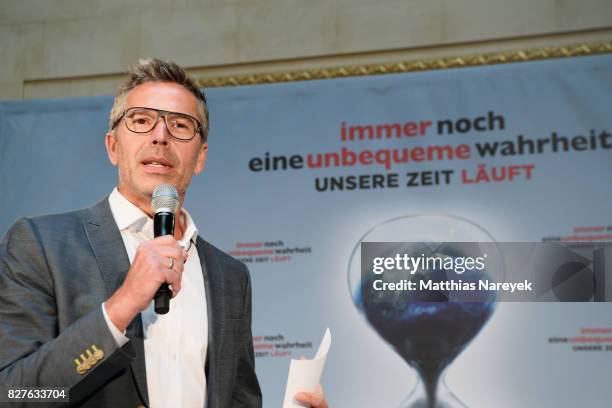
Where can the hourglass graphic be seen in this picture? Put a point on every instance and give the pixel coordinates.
(427, 329)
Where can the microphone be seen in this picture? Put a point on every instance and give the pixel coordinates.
(164, 202)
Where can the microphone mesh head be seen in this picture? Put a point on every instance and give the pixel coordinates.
(165, 199)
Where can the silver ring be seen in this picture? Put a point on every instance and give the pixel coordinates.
(171, 263)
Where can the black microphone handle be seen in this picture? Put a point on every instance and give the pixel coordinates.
(163, 224)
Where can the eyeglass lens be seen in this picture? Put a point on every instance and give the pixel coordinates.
(142, 120)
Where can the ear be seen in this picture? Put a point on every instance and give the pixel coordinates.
(111, 147)
(201, 159)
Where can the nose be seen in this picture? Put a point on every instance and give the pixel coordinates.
(160, 132)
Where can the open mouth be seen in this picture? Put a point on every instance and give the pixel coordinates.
(157, 164)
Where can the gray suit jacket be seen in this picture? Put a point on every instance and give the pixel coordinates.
(55, 272)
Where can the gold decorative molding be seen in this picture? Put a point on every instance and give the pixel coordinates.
(505, 57)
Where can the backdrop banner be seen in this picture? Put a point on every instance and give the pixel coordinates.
(298, 174)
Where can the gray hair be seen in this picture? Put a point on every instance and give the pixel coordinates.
(155, 70)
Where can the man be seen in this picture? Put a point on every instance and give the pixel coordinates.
(76, 305)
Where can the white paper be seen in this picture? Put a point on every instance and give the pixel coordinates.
(305, 375)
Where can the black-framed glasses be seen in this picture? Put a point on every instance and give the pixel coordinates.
(142, 120)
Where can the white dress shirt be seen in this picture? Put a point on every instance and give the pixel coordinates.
(175, 343)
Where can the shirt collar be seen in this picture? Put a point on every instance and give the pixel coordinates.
(129, 217)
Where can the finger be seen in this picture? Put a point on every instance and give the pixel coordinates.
(179, 267)
(175, 288)
(311, 399)
(175, 252)
(172, 263)
(160, 264)
(165, 240)
(175, 292)
(173, 279)
(169, 275)
(168, 250)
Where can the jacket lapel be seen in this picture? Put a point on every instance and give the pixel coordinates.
(113, 262)
(213, 284)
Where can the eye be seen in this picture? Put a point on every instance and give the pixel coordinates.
(179, 125)
(141, 119)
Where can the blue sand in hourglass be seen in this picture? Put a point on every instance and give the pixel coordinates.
(427, 328)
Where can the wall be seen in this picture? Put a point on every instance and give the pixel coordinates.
(60, 48)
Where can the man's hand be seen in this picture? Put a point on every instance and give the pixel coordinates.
(314, 399)
(150, 268)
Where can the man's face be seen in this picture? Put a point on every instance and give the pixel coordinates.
(146, 160)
